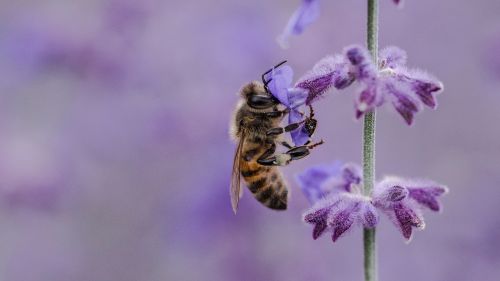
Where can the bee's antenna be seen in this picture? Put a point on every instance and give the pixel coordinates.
(311, 112)
(264, 74)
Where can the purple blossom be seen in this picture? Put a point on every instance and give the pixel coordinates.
(338, 203)
(402, 201)
(312, 180)
(407, 89)
(329, 71)
(293, 98)
(337, 213)
(307, 13)
(321, 180)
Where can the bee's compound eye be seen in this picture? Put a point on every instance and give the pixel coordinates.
(261, 101)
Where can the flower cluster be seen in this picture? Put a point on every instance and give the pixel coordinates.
(408, 90)
(307, 13)
(391, 81)
(339, 204)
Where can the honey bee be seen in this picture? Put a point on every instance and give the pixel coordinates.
(255, 127)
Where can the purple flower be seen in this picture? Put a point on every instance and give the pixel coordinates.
(390, 81)
(337, 213)
(293, 98)
(338, 203)
(329, 71)
(402, 201)
(306, 14)
(321, 180)
(311, 181)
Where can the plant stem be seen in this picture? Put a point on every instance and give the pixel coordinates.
(370, 250)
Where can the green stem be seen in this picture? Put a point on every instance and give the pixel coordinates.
(370, 250)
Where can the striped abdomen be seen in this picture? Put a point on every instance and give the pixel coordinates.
(265, 182)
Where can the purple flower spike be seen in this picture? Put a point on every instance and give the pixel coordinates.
(306, 14)
(328, 72)
(338, 203)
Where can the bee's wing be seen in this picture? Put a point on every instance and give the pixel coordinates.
(236, 190)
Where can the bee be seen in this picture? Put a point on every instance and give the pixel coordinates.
(255, 127)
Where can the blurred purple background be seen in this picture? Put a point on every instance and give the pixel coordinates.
(115, 157)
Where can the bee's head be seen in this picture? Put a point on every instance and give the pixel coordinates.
(257, 97)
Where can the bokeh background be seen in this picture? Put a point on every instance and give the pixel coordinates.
(115, 158)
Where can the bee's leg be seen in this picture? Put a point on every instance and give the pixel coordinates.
(286, 144)
(266, 155)
(288, 128)
(283, 159)
(277, 113)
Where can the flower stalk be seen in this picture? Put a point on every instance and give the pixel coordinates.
(370, 250)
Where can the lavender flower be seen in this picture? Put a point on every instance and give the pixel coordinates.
(402, 201)
(321, 180)
(293, 98)
(329, 71)
(407, 89)
(338, 203)
(339, 212)
(306, 14)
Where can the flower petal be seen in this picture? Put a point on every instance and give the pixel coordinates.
(300, 136)
(361, 61)
(407, 218)
(351, 173)
(318, 218)
(368, 98)
(388, 191)
(402, 99)
(306, 14)
(369, 216)
(424, 85)
(341, 223)
(329, 71)
(427, 195)
(297, 97)
(392, 57)
(281, 79)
